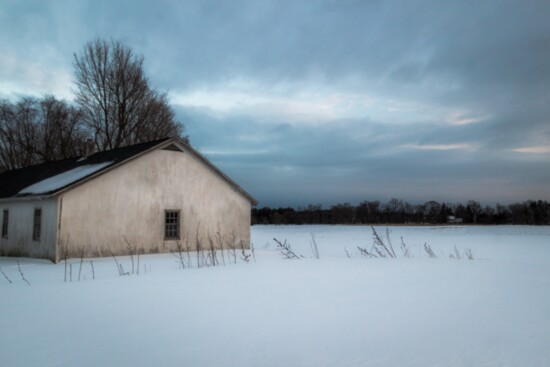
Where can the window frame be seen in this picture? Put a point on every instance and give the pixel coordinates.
(5, 222)
(37, 224)
(170, 227)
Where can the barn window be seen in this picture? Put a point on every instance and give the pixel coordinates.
(172, 225)
(37, 224)
(5, 220)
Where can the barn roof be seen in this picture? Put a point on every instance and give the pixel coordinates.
(49, 178)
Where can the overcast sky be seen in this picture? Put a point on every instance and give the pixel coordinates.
(326, 101)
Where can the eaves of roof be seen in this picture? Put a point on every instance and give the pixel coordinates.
(129, 155)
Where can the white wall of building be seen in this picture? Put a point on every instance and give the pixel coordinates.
(20, 240)
(130, 202)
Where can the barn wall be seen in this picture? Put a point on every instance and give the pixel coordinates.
(20, 229)
(129, 203)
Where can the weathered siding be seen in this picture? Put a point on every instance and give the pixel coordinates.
(129, 202)
(20, 229)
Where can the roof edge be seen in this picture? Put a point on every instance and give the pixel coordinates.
(228, 179)
(160, 145)
(107, 169)
(27, 198)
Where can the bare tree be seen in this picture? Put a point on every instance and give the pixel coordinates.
(474, 209)
(61, 131)
(118, 105)
(18, 133)
(36, 130)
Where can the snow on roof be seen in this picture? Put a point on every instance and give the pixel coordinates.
(63, 179)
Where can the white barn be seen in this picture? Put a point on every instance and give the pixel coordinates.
(152, 196)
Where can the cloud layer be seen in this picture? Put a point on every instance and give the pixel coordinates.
(321, 102)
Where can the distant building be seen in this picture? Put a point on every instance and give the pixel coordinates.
(151, 196)
(452, 219)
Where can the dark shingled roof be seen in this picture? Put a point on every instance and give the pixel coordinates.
(12, 182)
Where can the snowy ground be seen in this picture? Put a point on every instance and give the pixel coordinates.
(335, 311)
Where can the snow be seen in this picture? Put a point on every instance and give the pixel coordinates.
(63, 179)
(335, 311)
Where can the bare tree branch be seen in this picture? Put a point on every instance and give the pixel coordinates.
(118, 105)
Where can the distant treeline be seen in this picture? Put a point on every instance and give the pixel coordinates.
(397, 211)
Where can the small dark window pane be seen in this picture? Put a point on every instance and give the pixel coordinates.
(172, 225)
(5, 221)
(37, 227)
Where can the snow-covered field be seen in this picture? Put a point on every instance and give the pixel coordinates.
(335, 311)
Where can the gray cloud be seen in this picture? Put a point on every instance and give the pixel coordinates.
(392, 83)
(294, 166)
